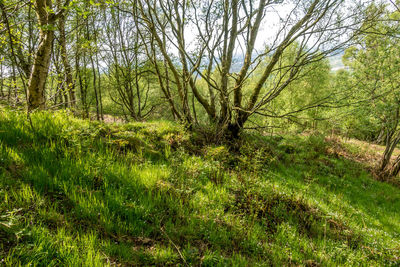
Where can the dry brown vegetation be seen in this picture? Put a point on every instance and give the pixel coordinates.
(365, 153)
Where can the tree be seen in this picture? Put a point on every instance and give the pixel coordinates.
(127, 63)
(69, 82)
(209, 36)
(303, 102)
(14, 33)
(47, 17)
(375, 63)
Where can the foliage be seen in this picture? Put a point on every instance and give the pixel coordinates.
(375, 85)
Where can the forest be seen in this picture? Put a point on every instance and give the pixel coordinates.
(199, 133)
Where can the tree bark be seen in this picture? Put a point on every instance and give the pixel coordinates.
(37, 80)
(1, 80)
(69, 81)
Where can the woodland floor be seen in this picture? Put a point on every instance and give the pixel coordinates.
(365, 153)
(81, 193)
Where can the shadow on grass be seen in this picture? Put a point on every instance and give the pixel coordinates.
(93, 195)
(345, 187)
(96, 191)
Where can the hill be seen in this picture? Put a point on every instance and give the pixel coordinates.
(81, 193)
(336, 62)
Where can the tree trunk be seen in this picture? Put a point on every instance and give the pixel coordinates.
(390, 147)
(18, 57)
(395, 168)
(14, 82)
(100, 93)
(1, 80)
(69, 81)
(38, 76)
(380, 140)
(37, 81)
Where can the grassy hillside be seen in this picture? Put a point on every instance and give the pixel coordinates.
(80, 193)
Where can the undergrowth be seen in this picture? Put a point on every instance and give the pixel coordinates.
(81, 193)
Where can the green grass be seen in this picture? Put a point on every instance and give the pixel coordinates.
(80, 193)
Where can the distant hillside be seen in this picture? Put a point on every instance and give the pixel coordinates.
(336, 62)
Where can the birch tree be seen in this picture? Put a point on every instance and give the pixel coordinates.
(47, 15)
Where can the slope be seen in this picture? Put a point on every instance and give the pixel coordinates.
(81, 193)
